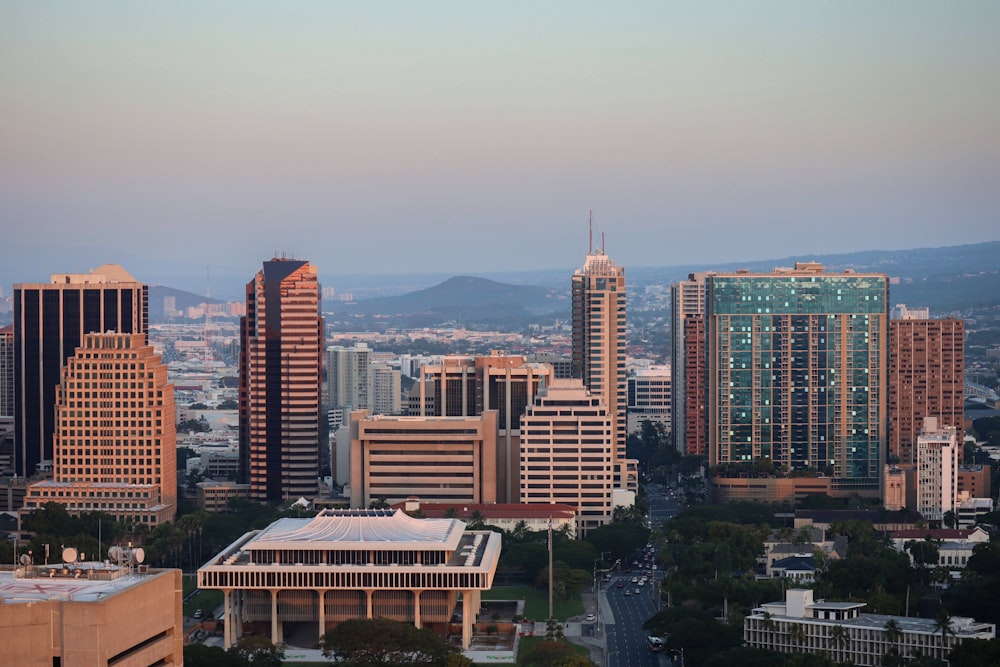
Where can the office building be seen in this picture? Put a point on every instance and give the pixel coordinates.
(349, 377)
(386, 390)
(307, 575)
(90, 614)
(926, 379)
(468, 386)
(115, 438)
(437, 459)
(937, 470)
(974, 481)
(797, 369)
(50, 320)
(799, 624)
(687, 363)
(650, 398)
(901, 312)
(567, 453)
(280, 381)
(7, 371)
(598, 311)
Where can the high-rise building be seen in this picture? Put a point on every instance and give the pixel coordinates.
(115, 437)
(349, 376)
(937, 469)
(467, 386)
(7, 371)
(693, 430)
(50, 320)
(797, 373)
(280, 381)
(650, 398)
(437, 459)
(926, 379)
(386, 390)
(687, 301)
(567, 452)
(599, 345)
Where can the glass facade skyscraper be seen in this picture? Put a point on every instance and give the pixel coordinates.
(797, 368)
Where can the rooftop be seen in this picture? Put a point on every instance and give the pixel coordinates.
(79, 582)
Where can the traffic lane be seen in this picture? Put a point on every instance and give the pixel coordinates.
(627, 640)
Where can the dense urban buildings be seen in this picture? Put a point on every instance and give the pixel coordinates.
(687, 346)
(50, 320)
(91, 614)
(567, 453)
(280, 381)
(302, 576)
(437, 459)
(115, 435)
(937, 469)
(926, 379)
(650, 398)
(797, 373)
(598, 314)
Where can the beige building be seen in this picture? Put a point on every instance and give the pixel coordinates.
(567, 453)
(115, 439)
(441, 459)
(90, 615)
(507, 516)
(215, 496)
(937, 470)
(303, 576)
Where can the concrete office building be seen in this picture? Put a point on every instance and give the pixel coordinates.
(280, 381)
(468, 386)
(115, 438)
(567, 454)
(87, 614)
(598, 311)
(926, 379)
(439, 459)
(303, 576)
(687, 302)
(937, 470)
(801, 625)
(50, 320)
(650, 398)
(797, 373)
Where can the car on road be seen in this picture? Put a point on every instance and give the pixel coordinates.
(591, 617)
(198, 613)
(621, 584)
(637, 591)
(628, 592)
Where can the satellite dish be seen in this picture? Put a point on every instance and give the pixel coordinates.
(25, 559)
(139, 555)
(69, 555)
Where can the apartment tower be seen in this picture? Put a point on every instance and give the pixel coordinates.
(926, 379)
(797, 373)
(7, 371)
(937, 469)
(349, 376)
(50, 321)
(598, 308)
(280, 381)
(115, 435)
(687, 302)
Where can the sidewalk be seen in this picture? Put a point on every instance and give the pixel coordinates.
(576, 628)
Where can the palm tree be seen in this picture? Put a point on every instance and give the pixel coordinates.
(893, 633)
(797, 634)
(942, 624)
(839, 637)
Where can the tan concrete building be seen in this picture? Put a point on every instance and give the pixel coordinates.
(926, 379)
(567, 453)
(303, 576)
(213, 496)
(507, 516)
(90, 615)
(115, 438)
(441, 459)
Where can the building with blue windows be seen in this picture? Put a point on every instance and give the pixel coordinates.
(797, 374)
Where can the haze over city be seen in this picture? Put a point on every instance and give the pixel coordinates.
(376, 138)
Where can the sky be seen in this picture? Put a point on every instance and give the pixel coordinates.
(375, 137)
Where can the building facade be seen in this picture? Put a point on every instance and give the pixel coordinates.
(50, 320)
(650, 398)
(797, 370)
(937, 470)
(349, 376)
(687, 302)
(567, 453)
(439, 459)
(347, 564)
(598, 311)
(926, 379)
(386, 390)
(7, 371)
(115, 437)
(280, 381)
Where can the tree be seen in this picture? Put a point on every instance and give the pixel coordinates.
(838, 635)
(942, 624)
(976, 653)
(258, 651)
(796, 634)
(550, 653)
(381, 641)
(200, 655)
(949, 519)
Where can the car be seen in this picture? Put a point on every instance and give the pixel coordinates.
(642, 582)
(628, 592)
(591, 617)
(198, 613)
(637, 591)
(635, 580)
(621, 584)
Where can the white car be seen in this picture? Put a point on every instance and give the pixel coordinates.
(591, 617)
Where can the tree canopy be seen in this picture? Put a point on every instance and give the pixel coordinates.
(381, 641)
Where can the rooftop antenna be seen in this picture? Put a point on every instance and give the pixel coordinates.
(590, 250)
(602, 243)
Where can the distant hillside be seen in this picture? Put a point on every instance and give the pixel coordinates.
(183, 300)
(467, 298)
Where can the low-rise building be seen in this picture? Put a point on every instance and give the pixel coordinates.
(508, 516)
(213, 496)
(800, 624)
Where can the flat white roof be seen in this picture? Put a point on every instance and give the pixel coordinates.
(40, 587)
(359, 529)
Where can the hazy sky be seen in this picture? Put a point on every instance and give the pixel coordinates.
(475, 136)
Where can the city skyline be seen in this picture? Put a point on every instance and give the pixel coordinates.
(354, 133)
